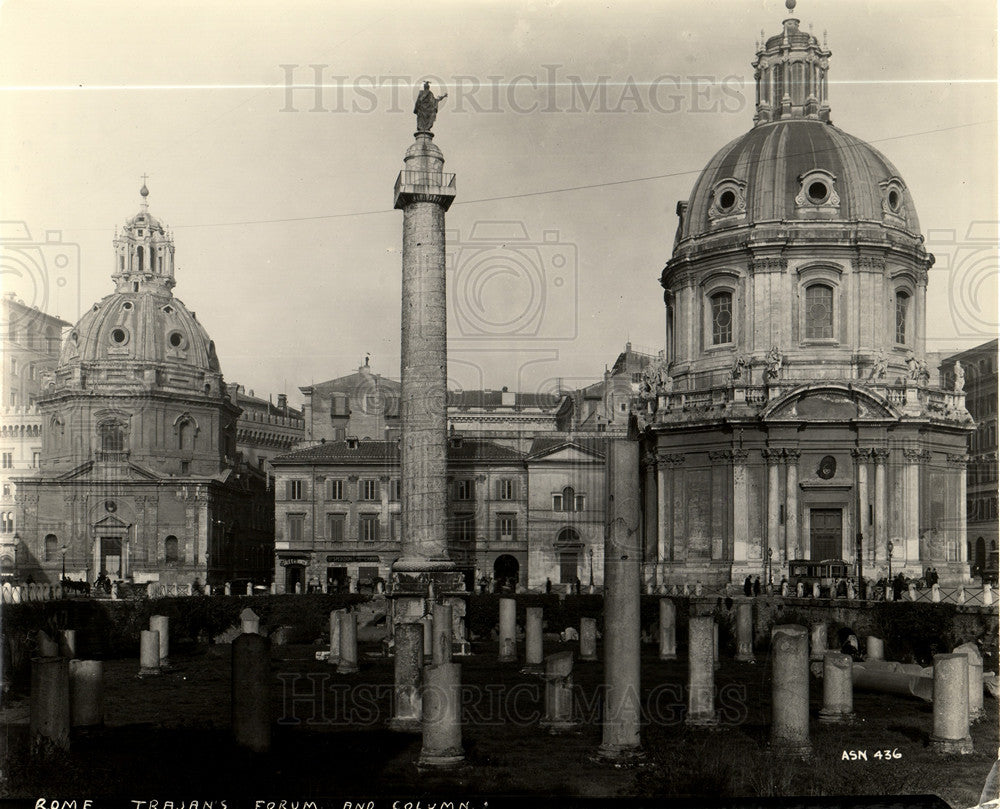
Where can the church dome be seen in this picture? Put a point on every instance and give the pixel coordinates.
(799, 169)
(143, 327)
(141, 336)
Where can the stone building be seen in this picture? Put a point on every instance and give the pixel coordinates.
(30, 351)
(265, 429)
(978, 366)
(337, 512)
(793, 415)
(140, 476)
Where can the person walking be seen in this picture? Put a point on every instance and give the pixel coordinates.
(756, 586)
(748, 587)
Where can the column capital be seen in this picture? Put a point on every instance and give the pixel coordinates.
(916, 455)
(961, 459)
(793, 454)
(771, 455)
(670, 459)
(881, 455)
(740, 455)
(720, 454)
(862, 454)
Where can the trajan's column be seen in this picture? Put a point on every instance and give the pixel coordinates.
(424, 192)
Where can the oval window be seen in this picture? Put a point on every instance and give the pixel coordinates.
(827, 467)
(894, 199)
(176, 339)
(727, 199)
(119, 336)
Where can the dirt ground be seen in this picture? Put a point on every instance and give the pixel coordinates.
(169, 736)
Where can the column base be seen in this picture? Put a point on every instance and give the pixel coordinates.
(702, 720)
(589, 659)
(347, 668)
(405, 725)
(668, 655)
(558, 726)
(149, 672)
(952, 746)
(619, 755)
(533, 668)
(745, 658)
(792, 749)
(507, 659)
(445, 760)
(834, 717)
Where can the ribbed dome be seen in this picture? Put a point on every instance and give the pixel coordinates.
(771, 171)
(142, 328)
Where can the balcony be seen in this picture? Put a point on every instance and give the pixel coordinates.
(111, 456)
(423, 186)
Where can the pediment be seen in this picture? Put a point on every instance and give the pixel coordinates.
(111, 523)
(567, 453)
(829, 403)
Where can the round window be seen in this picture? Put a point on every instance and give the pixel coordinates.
(818, 192)
(127, 305)
(894, 199)
(110, 506)
(727, 199)
(119, 336)
(176, 339)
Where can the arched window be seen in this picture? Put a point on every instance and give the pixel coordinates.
(902, 311)
(722, 318)
(819, 312)
(139, 254)
(171, 551)
(7, 522)
(185, 435)
(112, 437)
(51, 547)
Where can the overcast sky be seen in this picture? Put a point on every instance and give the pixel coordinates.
(577, 125)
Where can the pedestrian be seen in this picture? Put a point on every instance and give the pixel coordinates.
(548, 586)
(748, 586)
(756, 586)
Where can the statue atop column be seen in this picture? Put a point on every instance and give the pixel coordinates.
(426, 108)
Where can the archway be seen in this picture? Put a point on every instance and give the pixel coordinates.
(505, 572)
(979, 562)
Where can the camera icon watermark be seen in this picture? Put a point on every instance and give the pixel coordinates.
(506, 285)
(37, 277)
(972, 266)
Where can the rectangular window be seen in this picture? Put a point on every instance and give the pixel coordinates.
(335, 524)
(722, 318)
(36, 460)
(557, 502)
(6, 490)
(368, 528)
(506, 525)
(819, 312)
(464, 528)
(367, 574)
(464, 490)
(368, 489)
(8, 460)
(395, 527)
(336, 490)
(293, 489)
(395, 490)
(902, 307)
(505, 489)
(296, 524)
(580, 503)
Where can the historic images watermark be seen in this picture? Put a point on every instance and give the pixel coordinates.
(549, 90)
(971, 263)
(311, 699)
(43, 274)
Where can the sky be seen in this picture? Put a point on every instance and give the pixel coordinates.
(573, 129)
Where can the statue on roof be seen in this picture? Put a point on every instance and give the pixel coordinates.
(426, 108)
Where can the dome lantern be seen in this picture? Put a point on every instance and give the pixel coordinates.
(144, 252)
(790, 70)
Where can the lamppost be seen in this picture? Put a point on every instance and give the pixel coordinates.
(859, 542)
(17, 542)
(63, 550)
(770, 577)
(591, 568)
(889, 549)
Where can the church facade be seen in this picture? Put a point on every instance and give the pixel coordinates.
(139, 477)
(793, 415)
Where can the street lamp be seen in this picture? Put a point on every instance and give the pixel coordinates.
(860, 552)
(889, 549)
(770, 577)
(64, 549)
(591, 567)
(17, 542)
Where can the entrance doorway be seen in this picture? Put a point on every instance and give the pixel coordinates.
(826, 533)
(336, 579)
(295, 574)
(111, 556)
(505, 572)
